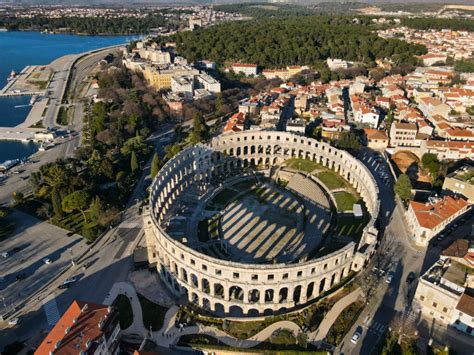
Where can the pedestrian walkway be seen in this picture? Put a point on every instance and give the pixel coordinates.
(320, 334)
(127, 289)
(51, 310)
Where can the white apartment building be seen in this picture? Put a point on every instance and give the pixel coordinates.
(207, 82)
(247, 69)
(183, 84)
(403, 134)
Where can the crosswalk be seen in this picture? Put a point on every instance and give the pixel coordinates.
(374, 327)
(51, 310)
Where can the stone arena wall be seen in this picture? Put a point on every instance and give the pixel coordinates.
(236, 288)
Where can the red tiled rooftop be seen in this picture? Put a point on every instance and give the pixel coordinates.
(431, 215)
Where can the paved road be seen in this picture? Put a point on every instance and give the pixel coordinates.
(396, 254)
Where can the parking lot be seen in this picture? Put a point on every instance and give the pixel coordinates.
(23, 264)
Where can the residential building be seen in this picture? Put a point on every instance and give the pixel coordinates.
(183, 84)
(207, 82)
(448, 150)
(160, 78)
(247, 69)
(376, 139)
(432, 58)
(461, 182)
(428, 219)
(403, 134)
(85, 328)
(335, 64)
(444, 294)
(297, 125)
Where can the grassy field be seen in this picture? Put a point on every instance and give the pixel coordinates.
(332, 180)
(344, 200)
(302, 164)
(125, 311)
(153, 314)
(62, 116)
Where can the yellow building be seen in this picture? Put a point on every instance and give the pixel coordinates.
(160, 79)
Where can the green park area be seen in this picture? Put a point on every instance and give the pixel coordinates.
(344, 201)
(305, 165)
(153, 314)
(344, 322)
(350, 226)
(332, 180)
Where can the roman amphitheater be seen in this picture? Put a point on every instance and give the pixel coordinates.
(235, 230)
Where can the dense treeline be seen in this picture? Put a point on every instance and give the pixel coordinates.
(89, 25)
(265, 10)
(425, 23)
(292, 41)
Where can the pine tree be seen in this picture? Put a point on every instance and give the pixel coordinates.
(56, 200)
(133, 162)
(155, 165)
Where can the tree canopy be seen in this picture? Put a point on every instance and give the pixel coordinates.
(292, 41)
(403, 187)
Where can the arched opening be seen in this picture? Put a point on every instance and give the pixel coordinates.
(206, 304)
(321, 285)
(268, 312)
(246, 150)
(333, 279)
(310, 290)
(219, 291)
(205, 286)
(253, 312)
(254, 296)
(236, 294)
(236, 311)
(297, 294)
(269, 294)
(219, 309)
(283, 295)
(194, 280)
(194, 298)
(184, 275)
(252, 149)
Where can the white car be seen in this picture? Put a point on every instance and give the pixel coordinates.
(389, 277)
(47, 261)
(14, 321)
(355, 338)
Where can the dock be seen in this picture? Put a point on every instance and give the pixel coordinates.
(23, 84)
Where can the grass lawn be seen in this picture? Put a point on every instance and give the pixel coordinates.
(302, 164)
(344, 200)
(350, 226)
(332, 180)
(284, 336)
(125, 311)
(344, 322)
(153, 314)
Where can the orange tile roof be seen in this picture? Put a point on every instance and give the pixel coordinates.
(459, 132)
(81, 322)
(372, 133)
(431, 215)
(405, 126)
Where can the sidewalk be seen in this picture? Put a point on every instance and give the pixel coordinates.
(320, 334)
(126, 289)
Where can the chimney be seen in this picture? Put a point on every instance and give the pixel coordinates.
(68, 329)
(84, 308)
(101, 324)
(74, 320)
(57, 345)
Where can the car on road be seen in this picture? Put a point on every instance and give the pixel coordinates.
(68, 282)
(411, 277)
(47, 261)
(389, 277)
(5, 254)
(355, 338)
(14, 321)
(20, 276)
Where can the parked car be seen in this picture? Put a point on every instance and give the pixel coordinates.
(14, 321)
(355, 338)
(5, 254)
(20, 276)
(411, 277)
(389, 277)
(47, 261)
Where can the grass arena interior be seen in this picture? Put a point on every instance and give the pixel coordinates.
(256, 223)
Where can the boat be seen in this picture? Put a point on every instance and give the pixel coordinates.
(33, 99)
(8, 164)
(12, 76)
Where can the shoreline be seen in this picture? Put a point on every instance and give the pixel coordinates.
(76, 33)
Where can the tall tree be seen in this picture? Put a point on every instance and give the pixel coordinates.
(76, 201)
(56, 201)
(155, 165)
(133, 162)
(403, 187)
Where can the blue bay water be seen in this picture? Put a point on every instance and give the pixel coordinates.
(19, 49)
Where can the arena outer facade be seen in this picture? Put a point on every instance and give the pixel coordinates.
(251, 289)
